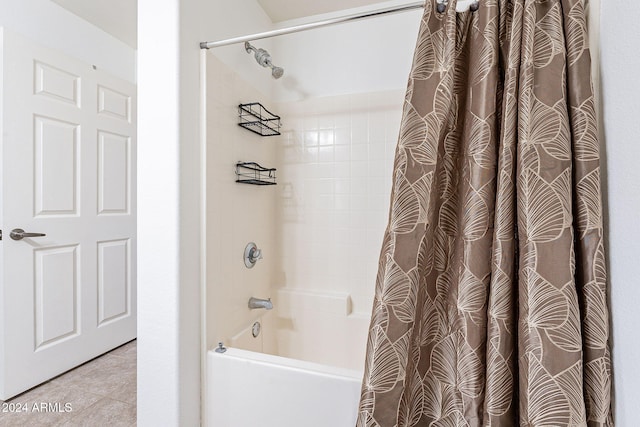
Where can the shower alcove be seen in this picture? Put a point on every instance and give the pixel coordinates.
(320, 228)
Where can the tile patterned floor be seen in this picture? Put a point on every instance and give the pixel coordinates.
(101, 392)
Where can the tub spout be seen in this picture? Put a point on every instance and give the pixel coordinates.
(260, 303)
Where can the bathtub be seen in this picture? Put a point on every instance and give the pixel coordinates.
(251, 389)
(303, 369)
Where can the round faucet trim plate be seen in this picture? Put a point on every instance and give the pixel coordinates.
(255, 329)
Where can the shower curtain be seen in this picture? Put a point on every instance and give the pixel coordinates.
(490, 304)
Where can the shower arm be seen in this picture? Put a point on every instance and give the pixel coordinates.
(249, 48)
(262, 56)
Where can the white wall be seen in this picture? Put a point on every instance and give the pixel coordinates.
(238, 18)
(53, 26)
(170, 269)
(357, 57)
(620, 67)
(160, 316)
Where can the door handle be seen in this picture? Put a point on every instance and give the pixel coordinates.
(19, 234)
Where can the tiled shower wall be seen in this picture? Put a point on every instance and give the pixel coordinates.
(335, 175)
(236, 213)
(320, 228)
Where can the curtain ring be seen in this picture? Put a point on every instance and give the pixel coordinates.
(474, 6)
(441, 5)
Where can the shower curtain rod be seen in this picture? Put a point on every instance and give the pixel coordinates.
(461, 6)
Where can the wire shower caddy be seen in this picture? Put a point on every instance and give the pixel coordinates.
(256, 118)
(253, 173)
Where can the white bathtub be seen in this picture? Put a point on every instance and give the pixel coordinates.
(304, 369)
(251, 389)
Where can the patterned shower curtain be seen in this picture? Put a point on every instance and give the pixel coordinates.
(491, 303)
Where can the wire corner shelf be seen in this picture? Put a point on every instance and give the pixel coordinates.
(256, 118)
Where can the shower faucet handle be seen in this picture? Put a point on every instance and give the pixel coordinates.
(255, 254)
(251, 254)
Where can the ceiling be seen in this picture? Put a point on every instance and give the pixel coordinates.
(119, 17)
(116, 17)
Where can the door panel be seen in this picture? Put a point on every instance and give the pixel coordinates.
(56, 166)
(68, 171)
(114, 104)
(58, 84)
(114, 187)
(114, 281)
(56, 294)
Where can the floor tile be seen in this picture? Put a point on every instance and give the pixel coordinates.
(101, 392)
(130, 349)
(107, 375)
(51, 406)
(105, 412)
(126, 392)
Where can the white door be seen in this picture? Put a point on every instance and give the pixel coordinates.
(68, 171)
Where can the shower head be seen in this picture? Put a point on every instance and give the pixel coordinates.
(264, 58)
(277, 72)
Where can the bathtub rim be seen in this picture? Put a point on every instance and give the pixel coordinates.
(290, 363)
